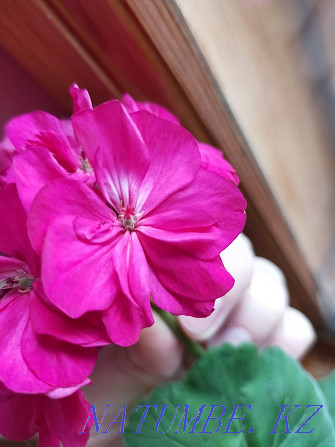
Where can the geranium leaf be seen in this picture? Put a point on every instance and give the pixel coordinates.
(235, 383)
(327, 385)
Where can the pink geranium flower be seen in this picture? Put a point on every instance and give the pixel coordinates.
(54, 419)
(24, 352)
(6, 158)
(156, 233)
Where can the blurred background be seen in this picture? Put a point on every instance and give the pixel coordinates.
(254, 78)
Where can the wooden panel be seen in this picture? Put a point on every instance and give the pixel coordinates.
(46, 49)
(266, 225)
(145, 47)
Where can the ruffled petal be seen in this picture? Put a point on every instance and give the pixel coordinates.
(135, 106)
(13, 231)
(47, 319)
(68, 365)
(131, 310)
(64, 197)
(33, 170)
(81, 98)
(14, 372)
(116, 150)
(78, 276)
(174, 159)
(212, 159)
(185, 276)
(210, 200)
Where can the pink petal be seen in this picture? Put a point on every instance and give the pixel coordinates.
(56, 420)
(135, 106)
(174, 159)
(122, 159)
(18, 416)
(72, 199)
(68, 365)
(34, 169)
(184, 276)
(124, 321)
(46, 319)
(131, 310)
(212, 159)
(81, 98)
(14, 372)
(26, 127)
(210, 200)
(13, 232)
(59, 145)
(64, 420)
(78, 276)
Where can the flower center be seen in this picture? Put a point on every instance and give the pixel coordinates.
(128, 218)
(21, 281)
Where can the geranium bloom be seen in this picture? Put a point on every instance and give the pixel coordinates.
(24, 353)
(55, 419)
(45, 150)
(154, 229)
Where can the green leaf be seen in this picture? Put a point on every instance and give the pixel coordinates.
(328, 387)
(230, 376)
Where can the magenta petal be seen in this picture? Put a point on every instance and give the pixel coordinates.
(64, 420)
(135, 106)
(122, 159)
(68, 365)
(72, 199)
(81, 98)
(185, 275)
(201, 242)
(212, 159)
(56, 420)
(78, 276)
(124, 320)
(34, 169)
(174, 159)
(14, 372)
(46, 319)
(13, 231)
(209, 200)
(26, 127)
(131, 311)
(19, 416)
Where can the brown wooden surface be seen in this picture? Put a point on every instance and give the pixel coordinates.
(266, 224)
(145, 47)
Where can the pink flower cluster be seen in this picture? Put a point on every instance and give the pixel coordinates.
(99, 216)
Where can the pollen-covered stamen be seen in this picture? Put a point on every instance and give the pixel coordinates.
(21, 281)
(128, 217)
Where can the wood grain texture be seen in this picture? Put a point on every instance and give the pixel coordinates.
(266, 224)
(47, 50)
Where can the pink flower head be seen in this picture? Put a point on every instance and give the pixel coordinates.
(55, 419)
(156, 234)
(24, 352)
(46, 150)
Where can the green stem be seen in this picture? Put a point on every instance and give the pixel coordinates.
(194, 347)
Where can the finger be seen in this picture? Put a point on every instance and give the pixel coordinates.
(123, 375)
(238, 260)
(294, 334)
(260, 309)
